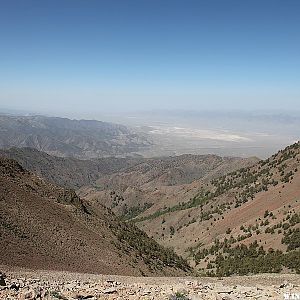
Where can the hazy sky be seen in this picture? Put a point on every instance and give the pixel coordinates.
(60, 55)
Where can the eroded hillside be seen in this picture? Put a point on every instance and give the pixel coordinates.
(43, 226)
(155, 183)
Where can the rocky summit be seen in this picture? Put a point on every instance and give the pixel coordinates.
(22, 284)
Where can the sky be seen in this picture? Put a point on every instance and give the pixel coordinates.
(127, 55)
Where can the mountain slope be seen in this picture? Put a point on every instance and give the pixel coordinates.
(43, 226)
(118, 174)
(64, 137)
(252, 212)
(66, 171)
(154, 183)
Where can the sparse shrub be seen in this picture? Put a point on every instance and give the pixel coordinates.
(172, 230)
(179, 296)
(56, 294)
(228, 231)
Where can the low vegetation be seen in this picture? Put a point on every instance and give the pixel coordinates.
(132, 239)
(179, 296)
(231, 257)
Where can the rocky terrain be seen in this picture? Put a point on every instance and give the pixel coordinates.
(70, 138)
(26, 284)
(44, 226)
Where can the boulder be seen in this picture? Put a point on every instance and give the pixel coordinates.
(110, 290)
(2, 279)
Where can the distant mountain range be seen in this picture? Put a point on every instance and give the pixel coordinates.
(70, 138)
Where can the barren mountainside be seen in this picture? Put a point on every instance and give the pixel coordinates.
(43, 226)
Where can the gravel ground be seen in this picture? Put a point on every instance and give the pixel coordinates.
(28, 284)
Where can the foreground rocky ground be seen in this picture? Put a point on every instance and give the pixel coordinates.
(25, 284)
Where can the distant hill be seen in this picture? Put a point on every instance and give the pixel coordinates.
(157, 182)
(43, 226)
(69, 138)
(115, 173)
(66, 171)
